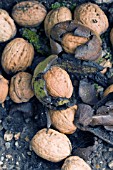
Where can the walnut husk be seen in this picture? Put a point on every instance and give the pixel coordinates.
(51, 145)
(63, 120)
(29, 13)
(17, 56)
(92, 16)
(75, 163)
(20, 87)
(55, 16)
(7, 26)
(58, 82)
(3, 89)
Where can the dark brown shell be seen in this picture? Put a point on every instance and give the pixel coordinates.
(91, 50)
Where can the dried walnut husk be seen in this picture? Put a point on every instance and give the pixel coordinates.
(92, 16)
(17, 56)
(3, 89)
(7, 26)
(29, 13)
(20, 87)
(63, 120)
(51, 145)
(55, 16)
(75, 163)
(76, 39)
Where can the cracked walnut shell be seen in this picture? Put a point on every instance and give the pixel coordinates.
(55, 16)
(20, 87)
(3, 89)
(51, 145)
(29, 13)
(75, 163)
(92, 16)
(63, 119)
(58, 82)
(17, 56)
(7, 26)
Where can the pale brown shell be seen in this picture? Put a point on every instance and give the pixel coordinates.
(3, 89)
(7, 26)
(75, 163)
(17, 56)
(92, 16)
(111, 36)
(108, 90)
(58, 82)
(51, 145)
(63, 119)
(20, 87)
(29, 13)
(55, 16)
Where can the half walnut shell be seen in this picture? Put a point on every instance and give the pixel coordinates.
(76, 39)
(3, 88)
(20, 87)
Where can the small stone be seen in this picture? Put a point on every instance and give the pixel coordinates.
(16, 144)
(29, 153)
(1, 163)
(7, 144)
(8, 136)
(110, 164)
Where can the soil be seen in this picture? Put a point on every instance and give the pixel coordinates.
(20, 122)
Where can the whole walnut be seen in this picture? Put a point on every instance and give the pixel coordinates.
(58, 82)
(20, 87)
(7, 26)
(29, 13)
(111, 36)
(108, 90)
(92, 16)
(51, 145)
(17, 56)
(3, 89)
(55, 16)
(63, 119)
(70, 42)
(75, 163)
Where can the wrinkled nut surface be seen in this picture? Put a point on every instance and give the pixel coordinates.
(58, 82)
(17, 56)
(71, 42)
(29, 13)
(75, 163)
(55, 16)
(20, 87)
(52, 145)
(108, 90)
(63, 120)
(3, 89)
(111, 36)
(7, 26)
(77, 39)
(92, 16)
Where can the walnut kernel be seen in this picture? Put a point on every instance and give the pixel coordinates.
(17, 55)
(52, 145)
(20, 87)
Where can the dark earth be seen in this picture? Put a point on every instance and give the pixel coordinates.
(20, 122)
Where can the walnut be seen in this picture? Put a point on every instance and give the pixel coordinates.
(29, 13)
(55, 16)
(63, 119)
(108, 90)
(111, 36)
(7, 26)
(3, 89)
(75, 163)
(58, 82)
(17, 56)
(92, 16)
(51, 145)
(70, 42)
(20, 87)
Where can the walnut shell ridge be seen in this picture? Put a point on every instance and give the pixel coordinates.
(7, 26)
(17, 56)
